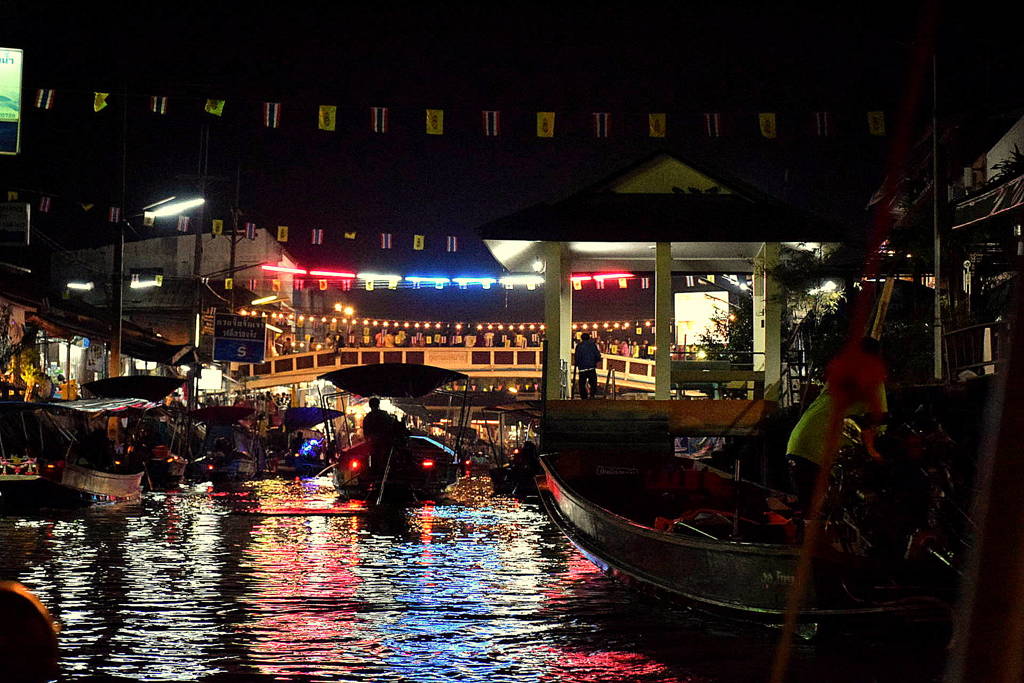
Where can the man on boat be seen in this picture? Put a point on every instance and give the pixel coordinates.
(382, 430)
(587, 358)
(855, 388)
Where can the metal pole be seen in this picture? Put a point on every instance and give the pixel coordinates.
(936, 236)
(197, 301)
(234, 237)
(117, 271)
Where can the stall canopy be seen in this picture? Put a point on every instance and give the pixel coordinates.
(392, 380)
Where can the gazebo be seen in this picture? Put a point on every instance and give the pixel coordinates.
(662, 215)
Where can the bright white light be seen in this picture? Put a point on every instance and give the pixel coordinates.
(263, 300)
(827, 286)
(522, 279)
(538, 266)
(174, 208)
(85, 286)
(274, 328)
(144, 284)
(373, 277)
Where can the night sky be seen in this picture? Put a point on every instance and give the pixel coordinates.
(683, 59)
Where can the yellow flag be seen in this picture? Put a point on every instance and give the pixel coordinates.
(545, 124)
(323, 285)
(229, 283)
(328, 117)
(215, 107)
(159, 280)
(350, 235)
(275, 285)
(282, 233)
(218, 226)
(148, 219)
(656, 125)
(12, 196)
(766, 121)
(577, 284)
(417, 242)
(392, 284)
(876, 122)
(435, 122)
(99, 100)
(369, 285)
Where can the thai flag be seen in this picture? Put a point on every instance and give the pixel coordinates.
(44, 205)
(689, 281)
(823, 123)
(250, 230)
(645, 283)
(44, 98)
(385, 240)
(318, 236)
(452, 243)
(114, 215)
(182, 223)
(713, 124)
(271, 114)
(602, 121)
(158, 104)
(379, 119)
(252, 285)
(599, 284)
(492, 123)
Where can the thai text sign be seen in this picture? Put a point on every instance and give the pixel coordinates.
(11, 60)
(238, 339)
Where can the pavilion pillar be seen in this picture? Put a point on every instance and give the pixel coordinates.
(557, 320)
(663, 314)
(768, 319)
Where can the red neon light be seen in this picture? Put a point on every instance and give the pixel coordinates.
(428, 463)
(613, 276)
(332, 273)
(282, 269)
(580, 278)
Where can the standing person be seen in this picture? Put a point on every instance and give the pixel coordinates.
(855, 386)
(587, 358)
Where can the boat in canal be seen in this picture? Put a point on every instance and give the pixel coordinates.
(414, 467)
(698, 537)
(229, 450)
(59, 455)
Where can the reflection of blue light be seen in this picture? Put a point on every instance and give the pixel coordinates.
(309, 447)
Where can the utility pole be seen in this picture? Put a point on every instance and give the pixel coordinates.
(197, 263)
(117, 269)
(235, 210)
(937, 186)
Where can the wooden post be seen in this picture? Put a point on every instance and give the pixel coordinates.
(663, 320)
(557, 317)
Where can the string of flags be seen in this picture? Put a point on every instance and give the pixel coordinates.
(769, 125)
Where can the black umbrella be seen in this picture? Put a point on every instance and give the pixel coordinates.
(392, 380)
(306, 417)
(148, 387)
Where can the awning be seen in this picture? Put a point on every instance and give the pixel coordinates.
(999, 200)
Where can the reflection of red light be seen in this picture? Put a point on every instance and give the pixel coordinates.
(428, 463)
(353, 464)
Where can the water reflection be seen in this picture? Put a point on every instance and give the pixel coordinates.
(278, 580)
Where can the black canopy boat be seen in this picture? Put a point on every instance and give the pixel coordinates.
(701, 537)
(59, 454)
(411, 467)
(228, 451)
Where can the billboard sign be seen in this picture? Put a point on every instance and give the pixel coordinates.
(238, 339)
(11, 60)
(14, 224)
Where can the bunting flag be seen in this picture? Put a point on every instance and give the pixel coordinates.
(85, 207)
(350, 235)
(218, 227)
(44, 205)
(823, 123)
(645, 283)
(158, 104)
(369, 285)
(252, 285)
(418, 242)
(282, 233)
(392, 284)
(327, 117)
(148, 219)
(876, 123)
(689, 281)
(379, 119)
(766, 121)
(271, 114)
(623, 283)
(602, 120)
(158, 280)
(346, 285)
(323, 285)
(182, 223)
(451, 243)
(385, 240)
(135, 278)
(215, 107)
(598, 284)
(656, 125)
(317, 236)
(114, 215)
(545, 124)
(99, 101)
(435, 122)
(275, 285)
(576, 284)
(250, 230)
(297, 284)
(44, 98)
(12, 195)
(492, 123)
(713, 124)
(229, 283)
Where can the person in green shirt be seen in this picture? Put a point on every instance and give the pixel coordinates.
(855, 388)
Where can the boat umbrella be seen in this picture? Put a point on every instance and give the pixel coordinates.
(221, 415)
(392, 380)
(304, 418)
(149, 387)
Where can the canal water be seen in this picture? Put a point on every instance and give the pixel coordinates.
(276, 580)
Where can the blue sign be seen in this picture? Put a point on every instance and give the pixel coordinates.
(238, 339)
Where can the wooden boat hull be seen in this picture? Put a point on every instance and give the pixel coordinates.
(77, 486)
(746, 580)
